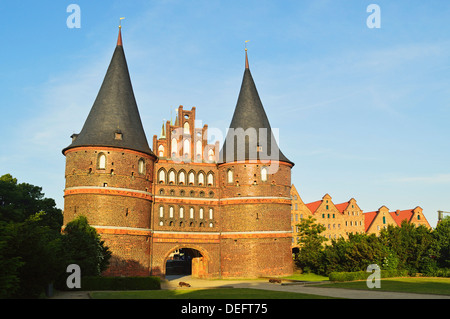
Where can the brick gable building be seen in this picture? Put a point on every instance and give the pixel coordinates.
(186, 203)
(346, 218)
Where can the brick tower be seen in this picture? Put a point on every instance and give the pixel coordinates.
(109, 172)
(255, 182)
(216, 214)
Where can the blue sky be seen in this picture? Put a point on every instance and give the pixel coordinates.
(362, 112)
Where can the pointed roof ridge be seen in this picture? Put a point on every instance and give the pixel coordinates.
(249, 113)
(114, 107)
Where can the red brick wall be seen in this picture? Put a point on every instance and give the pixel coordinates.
(255, 257)
(250, 217)
(260, 211)
(118, 197)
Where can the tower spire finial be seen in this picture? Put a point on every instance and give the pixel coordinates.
(119, 39)
(246, 57)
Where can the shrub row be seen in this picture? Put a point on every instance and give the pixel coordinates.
(362, 275)
(120, 283)
(441, 272)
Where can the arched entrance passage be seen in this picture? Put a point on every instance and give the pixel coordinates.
(186, 261)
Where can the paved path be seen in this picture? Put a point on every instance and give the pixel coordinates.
(172, 283)
(299, 288)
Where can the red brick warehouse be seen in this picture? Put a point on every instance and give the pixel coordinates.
(186, 206)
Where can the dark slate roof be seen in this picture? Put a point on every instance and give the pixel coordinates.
(249, 113)
(114, 110)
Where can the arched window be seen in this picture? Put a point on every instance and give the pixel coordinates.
(161, 176)
(141, 166)
(171, 212)
(210, 213)
(186, 147)
(101, 161)
(182, 178)
(201, 178)
(210, 179)
(174, 147)
(172, 177)
(198, 149)
(191, 178)
(211, 155)
(264, 174)
(161, 211)
(201, 213)
(230, 176)
(191, 212)
(161, 151)
(186, 128)
(181, 212)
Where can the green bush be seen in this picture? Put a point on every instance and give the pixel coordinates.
(441, 272)
(120, 283)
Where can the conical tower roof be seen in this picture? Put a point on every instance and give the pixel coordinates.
(114, 119)
(250, 116)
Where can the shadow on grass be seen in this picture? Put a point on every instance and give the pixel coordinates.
(216, 293)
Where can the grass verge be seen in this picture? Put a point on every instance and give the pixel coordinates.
(423, 285)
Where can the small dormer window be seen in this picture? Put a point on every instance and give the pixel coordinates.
(74, 137)
(118, 135)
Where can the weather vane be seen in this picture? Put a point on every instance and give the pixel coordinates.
(246, 44)
(120, 22)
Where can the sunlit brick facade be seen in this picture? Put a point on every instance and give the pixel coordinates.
(179, 199)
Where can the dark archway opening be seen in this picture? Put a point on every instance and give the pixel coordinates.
(179, 261)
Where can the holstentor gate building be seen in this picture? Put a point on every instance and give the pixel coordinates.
(227, 208)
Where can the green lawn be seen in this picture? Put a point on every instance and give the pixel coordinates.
(216, 293)
(306, 277)
(425, 285)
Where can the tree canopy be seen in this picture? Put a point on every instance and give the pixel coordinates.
(415, 249)
(33, 251)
